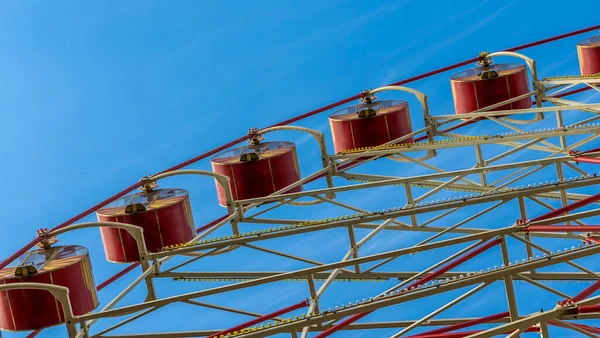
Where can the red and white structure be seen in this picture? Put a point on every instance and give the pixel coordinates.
(52, 284)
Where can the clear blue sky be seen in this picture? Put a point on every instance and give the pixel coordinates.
(93, 97)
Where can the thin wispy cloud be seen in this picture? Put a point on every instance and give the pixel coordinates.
(345, 28)
(306, 137)
(140, 158)
(181, 136)
(395, 72)
(434, 48)
(431, 30)
(591, 98)
(549, 69)
(341, 31)
(470, 30)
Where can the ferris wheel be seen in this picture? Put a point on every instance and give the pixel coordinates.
(500, 194)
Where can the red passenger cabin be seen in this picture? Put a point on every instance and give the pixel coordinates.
(482, 87)
(257, 170)
(370, 124)
(164, 214)
(28, 309)
(588, 51)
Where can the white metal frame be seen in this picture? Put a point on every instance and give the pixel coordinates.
(352, 265)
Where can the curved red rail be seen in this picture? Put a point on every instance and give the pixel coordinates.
(584, 294)
(260, 319)
(469, 323)
(79, 216)
(333, 329)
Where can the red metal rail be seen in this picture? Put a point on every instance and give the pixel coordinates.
(94, 208)
(590, 151)
(596, 286)
(585, 293)
(568, 208)
(117, 276)
(456, 263)
(431, 276)
(468, 323)
(585, 159)
(589, 329)
(491, 318)
(466, 333)
(210, 225)
(260, 319)
(563, 228)
(588, 309)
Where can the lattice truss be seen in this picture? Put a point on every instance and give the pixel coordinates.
(460, 230)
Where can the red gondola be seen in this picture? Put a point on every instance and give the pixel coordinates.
(370, 124)
(164, 214)
(482, 87)
(588, 51)
(257, 170)
(29, 309)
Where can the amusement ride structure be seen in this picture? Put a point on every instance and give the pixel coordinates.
(46, 284)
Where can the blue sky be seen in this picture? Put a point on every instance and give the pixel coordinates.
(95, 97)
